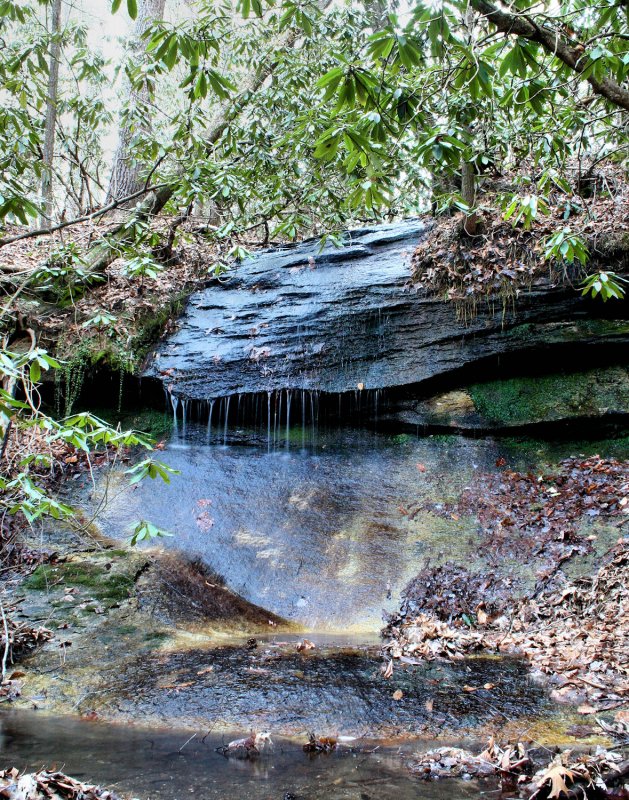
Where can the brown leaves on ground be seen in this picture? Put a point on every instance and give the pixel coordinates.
(504, 260)
(590, 777)
(559, 778)
(580, 630)
(134, 303)
(576, 631)
(320, 744)
(522, 514)
(44, 785)
(248, 747)
(23, 639)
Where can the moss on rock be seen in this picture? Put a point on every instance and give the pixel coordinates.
(522, 401)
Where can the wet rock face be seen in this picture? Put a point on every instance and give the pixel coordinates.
(345, 318)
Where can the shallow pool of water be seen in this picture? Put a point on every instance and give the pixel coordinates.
(167, 765)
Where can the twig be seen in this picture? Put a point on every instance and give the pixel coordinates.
(5, 655)
(186, 742)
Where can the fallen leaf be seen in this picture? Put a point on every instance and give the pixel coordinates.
(398, 694)
(557, 774)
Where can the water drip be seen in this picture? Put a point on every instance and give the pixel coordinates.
(227, 399)
(184, 414)
(274, 418)
(279, 417)
(289, 396)
(174, 401)
(268, 421)
(209, 421)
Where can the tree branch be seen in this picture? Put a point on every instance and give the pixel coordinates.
(67, 223)
(556, 45)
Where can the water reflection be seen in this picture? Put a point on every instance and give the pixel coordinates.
(159, 765)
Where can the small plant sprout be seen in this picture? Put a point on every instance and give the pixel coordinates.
(564, 245)
(606, 284)
(142, 266)
(100, 320)
(526, 210)
(239, 253)
(145, 532)
(149, 468)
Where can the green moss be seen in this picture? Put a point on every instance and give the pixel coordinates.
(102, 584)
(551, 453)
(155, 636)
(577, 332)
(42, 578)
(152, 325)
(552, 397)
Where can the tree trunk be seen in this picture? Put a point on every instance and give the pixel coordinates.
(125, 174)
(468, 193)
(468, 177)
(536, 30)
(51, 114)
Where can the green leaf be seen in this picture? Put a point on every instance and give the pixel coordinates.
(132, 8)
(35, 371)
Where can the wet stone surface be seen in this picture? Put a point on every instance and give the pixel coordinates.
(330, 690)
(329, 320)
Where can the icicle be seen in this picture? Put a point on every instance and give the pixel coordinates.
(289, 397)
(303, 419)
